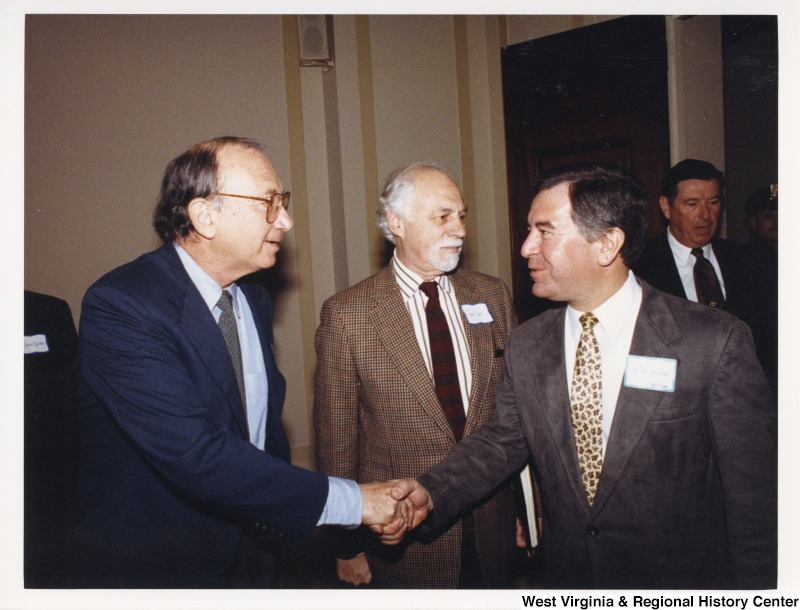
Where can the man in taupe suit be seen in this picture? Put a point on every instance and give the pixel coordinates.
(377, 413)
(661, 473)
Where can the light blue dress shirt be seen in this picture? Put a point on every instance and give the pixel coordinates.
(344, 504)
(255, 374)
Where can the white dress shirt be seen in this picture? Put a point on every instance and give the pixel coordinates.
(616, 319)
(415, 301)
(684, 260)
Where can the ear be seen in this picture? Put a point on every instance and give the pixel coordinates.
(663, 202)
(203, 215)
(396, 224)
(611, 243)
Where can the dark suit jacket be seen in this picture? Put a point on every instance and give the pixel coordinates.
(168, 478)
(377, 415)
(50, 440)
(657, 267)
(687, 494)
(761, 259)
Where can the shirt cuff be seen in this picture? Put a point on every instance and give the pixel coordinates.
(344, 505)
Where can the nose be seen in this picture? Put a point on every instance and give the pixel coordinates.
(284, 222)
(703, 211)
(530, 246)
(458, 227)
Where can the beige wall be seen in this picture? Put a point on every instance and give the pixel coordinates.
(111, 99)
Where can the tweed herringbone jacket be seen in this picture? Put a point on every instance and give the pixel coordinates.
(377, 417)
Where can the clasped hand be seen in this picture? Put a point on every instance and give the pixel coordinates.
(392, 508)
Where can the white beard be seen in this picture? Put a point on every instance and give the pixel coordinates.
(445, 261)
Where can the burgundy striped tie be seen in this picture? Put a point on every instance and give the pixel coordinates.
(445, 371)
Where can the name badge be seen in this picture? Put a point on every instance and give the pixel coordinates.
(647, 373)
(477, 313)
(36, 344)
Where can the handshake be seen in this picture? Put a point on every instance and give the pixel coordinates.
(392, 508)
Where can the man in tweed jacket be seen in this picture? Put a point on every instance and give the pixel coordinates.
(376, 411)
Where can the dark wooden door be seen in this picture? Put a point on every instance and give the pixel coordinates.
(596, 93)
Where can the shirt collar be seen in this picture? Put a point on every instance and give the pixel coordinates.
(683, 253)
(409, 282)
(617, 310)
(209, 290)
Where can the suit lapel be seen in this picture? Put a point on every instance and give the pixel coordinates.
(655, 329)
(552, 394)
(726, 264)
(481, 350)
(394, 328)
(261, 308)
(201, 329)
(672, 277)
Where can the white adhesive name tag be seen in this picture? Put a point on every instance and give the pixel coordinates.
(36, 344)
(647, 373)
(477, 313)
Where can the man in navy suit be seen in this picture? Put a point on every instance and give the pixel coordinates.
(647, 415)
(185, 477)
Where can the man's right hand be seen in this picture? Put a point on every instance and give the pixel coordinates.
(418, 504)
(354, 571)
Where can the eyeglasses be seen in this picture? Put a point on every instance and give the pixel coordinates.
(273, 203)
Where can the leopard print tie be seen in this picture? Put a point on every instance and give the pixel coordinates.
(586, 400)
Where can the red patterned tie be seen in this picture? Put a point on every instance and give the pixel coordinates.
(445, 371)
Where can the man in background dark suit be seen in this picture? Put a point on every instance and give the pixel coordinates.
(692, 199)
(647, 415)
(761, 255)
(50, 438)
(185, 477)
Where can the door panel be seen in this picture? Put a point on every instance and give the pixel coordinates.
(597, 93)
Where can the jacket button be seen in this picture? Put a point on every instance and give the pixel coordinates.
(592, 531)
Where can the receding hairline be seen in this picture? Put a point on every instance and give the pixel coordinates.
(240, 147)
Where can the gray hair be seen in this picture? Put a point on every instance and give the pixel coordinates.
(397, 194)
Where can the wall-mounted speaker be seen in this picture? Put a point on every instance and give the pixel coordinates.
(316, 40)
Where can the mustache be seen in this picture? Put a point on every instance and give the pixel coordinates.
(451, 243)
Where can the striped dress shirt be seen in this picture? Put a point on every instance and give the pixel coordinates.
(415, 301)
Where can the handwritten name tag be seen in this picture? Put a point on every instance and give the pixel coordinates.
(647, 373)
(36, 344)
(477, 313)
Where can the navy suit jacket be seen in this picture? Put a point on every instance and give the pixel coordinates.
(168, 478)
(687, 496)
